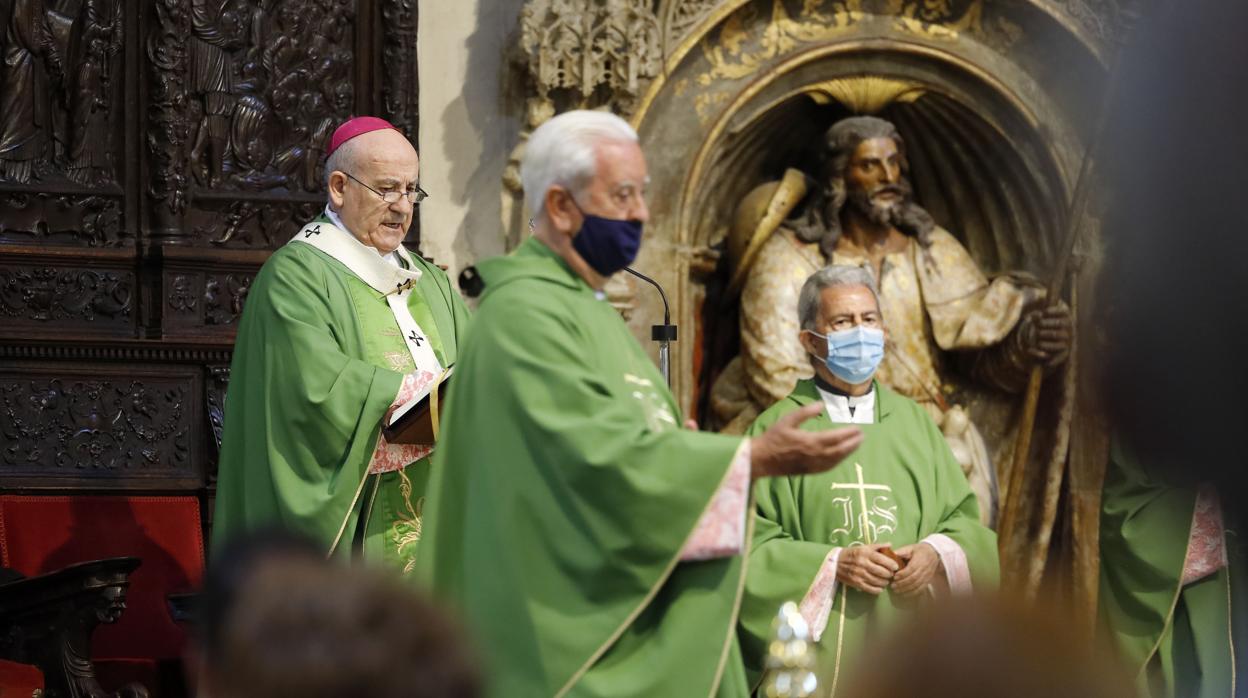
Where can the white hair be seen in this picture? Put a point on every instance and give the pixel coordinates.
(342, 160)
(563, 151)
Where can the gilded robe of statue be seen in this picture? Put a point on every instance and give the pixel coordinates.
(934, 300)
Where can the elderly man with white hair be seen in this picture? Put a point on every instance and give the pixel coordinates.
(864, 544)
(593, 542)
(342, 325)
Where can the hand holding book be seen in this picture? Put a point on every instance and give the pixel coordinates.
(417, 420)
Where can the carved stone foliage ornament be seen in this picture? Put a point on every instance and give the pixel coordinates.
(679, 17)
(89, 428)
(734, 53)
(591, 53)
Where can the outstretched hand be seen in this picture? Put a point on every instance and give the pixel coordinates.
(785, 449)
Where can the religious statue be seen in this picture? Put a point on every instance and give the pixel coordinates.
(941, 311)
(32, 73)
(215, 32)
(90, 157)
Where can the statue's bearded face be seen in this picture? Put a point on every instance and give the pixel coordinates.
(864, 166)
(873, 180)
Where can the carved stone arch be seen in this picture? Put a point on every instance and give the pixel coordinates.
(996, 102)
(1002, 99)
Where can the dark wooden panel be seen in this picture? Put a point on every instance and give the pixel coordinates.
(95, 220)
(63, 117)
(78, 298)
(152, 154)
(119, 422)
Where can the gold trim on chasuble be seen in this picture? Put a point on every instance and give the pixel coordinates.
(406, 530)
(1230, 620)
(1174, 603)
(868, 532)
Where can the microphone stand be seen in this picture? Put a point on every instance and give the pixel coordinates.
(664, 334)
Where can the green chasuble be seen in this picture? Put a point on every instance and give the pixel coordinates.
(902, 485)
(318, 361)
(563, 491)
(1177, 639)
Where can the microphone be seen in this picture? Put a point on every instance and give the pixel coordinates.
(664, 334)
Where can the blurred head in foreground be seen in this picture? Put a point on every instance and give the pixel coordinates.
(279, 620)
(987, 649)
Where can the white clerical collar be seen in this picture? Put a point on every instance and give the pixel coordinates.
(332, 215)
(362, 260)
(849, 409)
(395, 283)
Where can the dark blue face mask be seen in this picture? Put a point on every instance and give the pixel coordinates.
(606, 244)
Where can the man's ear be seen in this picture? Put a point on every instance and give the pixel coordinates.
(561, 210)
(812, 343)
(337, 189)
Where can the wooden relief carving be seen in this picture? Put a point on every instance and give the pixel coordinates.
(214, 399)
(36, 295)
(57, 90)
(224, 295)
(197, 298)
(243, 111)
(167, 138)
(251, 223)
(42, 217)
(399, 85)
(61, 117)
(151, 154)
(94, 427)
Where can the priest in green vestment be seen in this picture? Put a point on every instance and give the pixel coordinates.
(592, 540)
(341, 326)
(1172, 583)
(823, 540)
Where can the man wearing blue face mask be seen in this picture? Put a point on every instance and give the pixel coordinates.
(896, 523)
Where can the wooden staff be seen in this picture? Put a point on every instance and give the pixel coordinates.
(1016, 475)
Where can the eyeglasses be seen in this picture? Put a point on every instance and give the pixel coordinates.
(414, 197)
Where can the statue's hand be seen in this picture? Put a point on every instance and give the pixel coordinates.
(1047, 334)
(703, 261)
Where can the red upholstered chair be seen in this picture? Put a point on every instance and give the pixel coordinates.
(19, 680)
(40, 534)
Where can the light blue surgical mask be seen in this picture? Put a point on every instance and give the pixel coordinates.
(855, 354)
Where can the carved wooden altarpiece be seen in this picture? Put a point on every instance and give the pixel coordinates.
(152, 155)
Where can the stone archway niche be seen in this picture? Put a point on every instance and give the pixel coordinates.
(993, 104)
